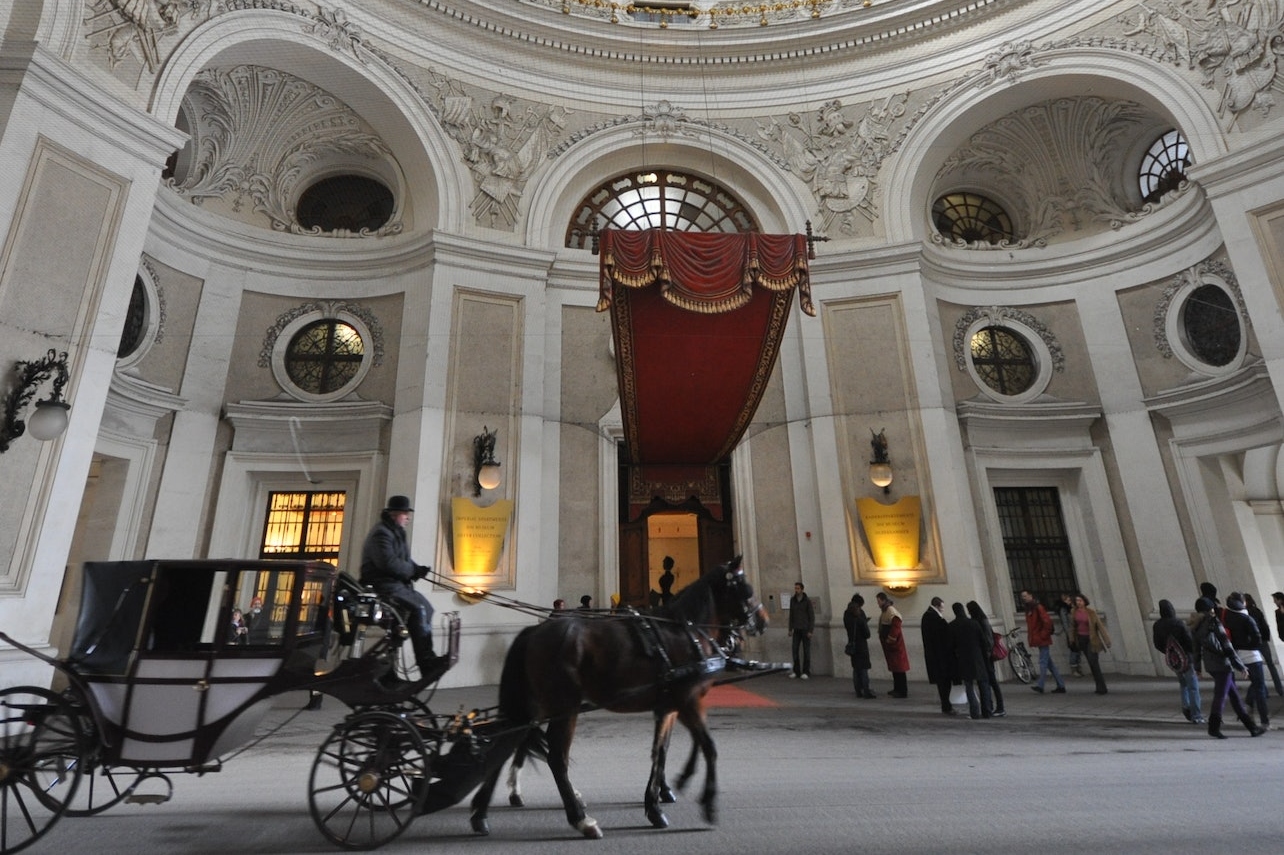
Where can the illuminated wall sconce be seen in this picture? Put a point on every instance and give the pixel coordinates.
(880, 468)
(485, 466)
(50, 417)
(900, 589)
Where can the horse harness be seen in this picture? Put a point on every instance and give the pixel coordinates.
(702, 664)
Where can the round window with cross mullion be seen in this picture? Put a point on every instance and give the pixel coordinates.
(319, 358)
(1002, 360)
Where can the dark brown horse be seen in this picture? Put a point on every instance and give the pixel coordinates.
(662, 663)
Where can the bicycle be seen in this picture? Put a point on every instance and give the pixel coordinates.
(1018, 656)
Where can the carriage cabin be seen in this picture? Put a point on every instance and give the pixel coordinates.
(173, 680)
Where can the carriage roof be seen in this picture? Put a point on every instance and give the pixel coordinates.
(128, 606)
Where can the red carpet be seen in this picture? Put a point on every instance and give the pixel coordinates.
(728, 695)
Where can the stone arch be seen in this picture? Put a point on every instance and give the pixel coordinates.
(439, 187)
(1070, 73)
(759, 182)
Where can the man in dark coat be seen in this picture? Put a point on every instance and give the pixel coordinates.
(387, 567)
(969, 643)
(937, 653)
(802, 623)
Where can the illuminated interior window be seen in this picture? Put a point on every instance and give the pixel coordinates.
(304, 526)
(1164, 166)
(971, 217)
(1003, 360)
(324, 356)
(658, 199)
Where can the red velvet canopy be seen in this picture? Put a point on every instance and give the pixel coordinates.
(698, 320)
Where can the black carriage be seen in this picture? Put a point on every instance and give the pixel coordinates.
(159, 679)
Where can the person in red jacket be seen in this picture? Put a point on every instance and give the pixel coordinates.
(893, 641)
(1038, 630)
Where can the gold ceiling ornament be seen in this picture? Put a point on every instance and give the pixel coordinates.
(663, 14)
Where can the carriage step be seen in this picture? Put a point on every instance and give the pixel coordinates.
(150, 781)
(146, 799)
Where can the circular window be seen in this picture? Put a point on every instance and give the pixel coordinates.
(351, 203)
(971, 218)
(322, 357)
(1003, 361)
(131, 338)
(1203, 327)
(1163, 168)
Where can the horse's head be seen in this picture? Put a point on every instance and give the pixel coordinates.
(735, 601)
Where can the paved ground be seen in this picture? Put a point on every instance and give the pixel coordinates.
(805, 767)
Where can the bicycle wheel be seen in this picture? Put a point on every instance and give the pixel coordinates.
(1019, 660)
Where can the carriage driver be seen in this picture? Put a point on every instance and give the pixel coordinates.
(387, 567)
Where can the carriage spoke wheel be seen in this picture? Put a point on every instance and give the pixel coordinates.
(101, 786)
(42, 747)
(369, 780)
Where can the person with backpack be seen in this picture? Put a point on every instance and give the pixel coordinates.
(1173, 639)
(1220, 661)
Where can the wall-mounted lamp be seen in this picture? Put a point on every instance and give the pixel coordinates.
(485, 466)
(880, 468)
(50, 417)
(900, 589)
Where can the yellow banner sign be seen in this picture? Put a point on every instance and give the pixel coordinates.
(892, 531)
(479, 535)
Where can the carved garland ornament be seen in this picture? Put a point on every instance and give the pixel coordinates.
(326, 309)
(1000, 316)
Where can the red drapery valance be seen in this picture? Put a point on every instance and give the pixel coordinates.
(698, 320)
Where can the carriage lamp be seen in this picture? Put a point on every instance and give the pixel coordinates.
(49, 419)
(485, 466)
(880, 468)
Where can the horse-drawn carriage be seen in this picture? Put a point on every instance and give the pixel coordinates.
(159, 679)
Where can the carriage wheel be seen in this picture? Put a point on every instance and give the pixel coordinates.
(41, 755)
(101, 786)
(369, 780)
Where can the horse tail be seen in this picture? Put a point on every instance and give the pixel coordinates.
(514, 693)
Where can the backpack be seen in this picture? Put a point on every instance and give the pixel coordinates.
(1175, 656)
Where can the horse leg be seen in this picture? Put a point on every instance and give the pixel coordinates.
(560, 733)
(688, 768)
(514, 778)
(692, 717)
(655, 785)
(481, 802)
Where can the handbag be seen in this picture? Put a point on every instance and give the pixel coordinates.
(850, 649)
(1000, 649)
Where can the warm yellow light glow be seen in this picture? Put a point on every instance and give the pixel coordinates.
(488, 476)
(880, 474)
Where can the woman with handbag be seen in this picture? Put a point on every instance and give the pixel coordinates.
(978, 614)
(1219, 660)
(856, 622)
(1091, 638)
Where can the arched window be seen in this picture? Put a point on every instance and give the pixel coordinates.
(351, 203)
(972, 218)
(1163, 168)
(658, 199)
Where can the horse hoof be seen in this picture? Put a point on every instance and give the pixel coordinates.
(516, 801)
(480, 825)
(711, 814)
(667, 796)
(657, 818)
(589, 828)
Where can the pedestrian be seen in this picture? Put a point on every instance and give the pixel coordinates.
(938, 656)
(1038, 633)
(892, 638)
(978, 614)
(1246, 638)
(586, 603)
(1268, 654)
(968, 643)
(1065, 616)
(1171, 630)
(856, 622)
(802, 622)
(387, 567)
(1220, 660)
(1091, 638)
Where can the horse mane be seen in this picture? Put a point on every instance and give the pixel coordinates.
(695, 603)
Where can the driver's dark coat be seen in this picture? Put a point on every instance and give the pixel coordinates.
(385, 556)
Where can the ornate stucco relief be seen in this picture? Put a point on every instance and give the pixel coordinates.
(1056, 162)
(1000, 316)
(326, 309)
(261, 134)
